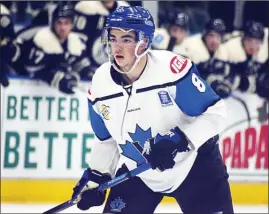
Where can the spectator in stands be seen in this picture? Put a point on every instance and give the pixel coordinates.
(206, 52)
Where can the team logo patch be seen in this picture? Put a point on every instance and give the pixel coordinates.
(177, 64)
(165, 98)
(105, 112)
(117, 205)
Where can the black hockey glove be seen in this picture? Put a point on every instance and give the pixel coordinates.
(163, 149)
(86, 190)
(65, 82)
(262, 85)
(221, 88)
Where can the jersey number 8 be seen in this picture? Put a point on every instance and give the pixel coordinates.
(198, 83)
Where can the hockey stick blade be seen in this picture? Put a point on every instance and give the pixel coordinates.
(113, 182)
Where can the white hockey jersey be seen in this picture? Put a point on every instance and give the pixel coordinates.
(237, 54)
(169, 93)
(47, 52)
(198, 52)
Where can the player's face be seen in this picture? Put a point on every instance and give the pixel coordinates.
(251, 45)
(63, 26)
(109, 3)
(213, 41)
(123, 46)
(177, 32)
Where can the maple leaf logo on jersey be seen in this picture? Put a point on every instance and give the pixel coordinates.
(135, 150)
(117, 205)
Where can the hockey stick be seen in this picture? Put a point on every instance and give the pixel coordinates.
(117, 180)
(244, 106)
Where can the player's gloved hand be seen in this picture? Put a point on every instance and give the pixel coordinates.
(163, 149)
(221, 88)
(65, 82)
(262, 85)
(86, 190)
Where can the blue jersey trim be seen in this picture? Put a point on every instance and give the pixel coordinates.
(108, 97)
(192, 101)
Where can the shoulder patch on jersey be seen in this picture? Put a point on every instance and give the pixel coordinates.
(47, 41)
(178, 63)
(168, 66)
(91, 8)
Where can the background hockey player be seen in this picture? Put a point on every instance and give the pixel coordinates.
(56, 54)
(90, 20)
(6, 36)
(247, 55)
(172, 38)
(206, 51)
(154, 107)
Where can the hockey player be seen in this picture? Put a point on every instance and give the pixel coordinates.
(206, 51)
(173, 38)
(57, 55)
(262, 81)
(90, 20)
(144, 106)
(6, 24)
(247, 55)
(6, 36)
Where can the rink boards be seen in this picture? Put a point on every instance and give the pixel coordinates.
(57, 191)
(46, 140)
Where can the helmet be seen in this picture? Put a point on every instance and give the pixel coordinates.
(254, 30)
(216, 25)
(182, 20)
(64, 11)
(136, 18)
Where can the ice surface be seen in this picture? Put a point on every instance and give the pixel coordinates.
(163, 208)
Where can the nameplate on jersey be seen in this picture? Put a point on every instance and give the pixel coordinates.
(165, 98)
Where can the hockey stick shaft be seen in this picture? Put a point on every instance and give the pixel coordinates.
(115, 181)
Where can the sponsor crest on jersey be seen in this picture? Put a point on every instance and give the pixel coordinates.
(105, 112)
(177, 64)
(117, 205)
(165, 98)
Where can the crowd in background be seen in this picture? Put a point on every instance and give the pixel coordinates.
(60, 43)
